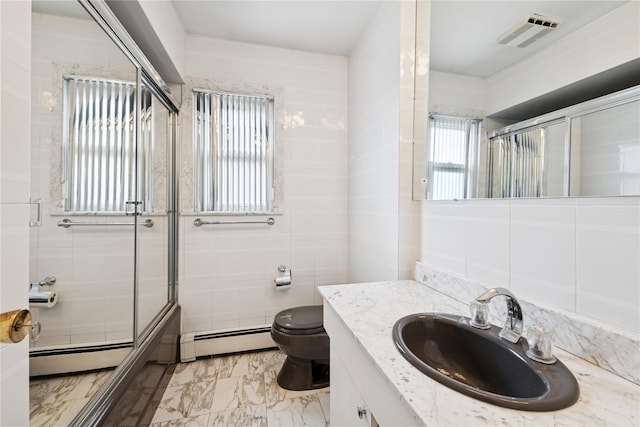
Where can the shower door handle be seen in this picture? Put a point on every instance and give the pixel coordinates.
(131, 204)
(38, 221)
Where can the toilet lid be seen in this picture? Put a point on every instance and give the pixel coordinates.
(300, 320)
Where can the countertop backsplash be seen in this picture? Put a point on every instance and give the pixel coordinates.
(611, 349)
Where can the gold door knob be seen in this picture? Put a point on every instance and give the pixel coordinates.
(15, 325)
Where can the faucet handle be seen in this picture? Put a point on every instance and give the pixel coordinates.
(540, 345)
(479, 315)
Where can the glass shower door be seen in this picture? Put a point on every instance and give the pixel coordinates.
(154, 244)
(82, 170)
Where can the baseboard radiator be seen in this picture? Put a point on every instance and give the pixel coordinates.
(67, 360)
(202, 344)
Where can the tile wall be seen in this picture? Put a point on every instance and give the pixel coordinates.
(15, 86)
(380, 146)
(227, 272)
(578, 255)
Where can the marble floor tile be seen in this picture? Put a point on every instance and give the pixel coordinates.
(198, 421)
(234, 392)
(54, 389)
(198, 370)
(57, 414)
(185, 401)
(273, 360)
(296, 412)
(55, 401)
(238, 365)
(246, 416)
(323, 396)
(274, 393)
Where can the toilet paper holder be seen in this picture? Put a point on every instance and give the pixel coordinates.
(47, 281)
(285, 278)
(40, 298)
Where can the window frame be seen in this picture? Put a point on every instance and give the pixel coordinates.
(210, 178)
(128, 159)
(472, 128)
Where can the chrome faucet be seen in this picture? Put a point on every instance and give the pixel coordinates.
(512, 330)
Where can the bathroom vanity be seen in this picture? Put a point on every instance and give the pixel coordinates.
(372, 383)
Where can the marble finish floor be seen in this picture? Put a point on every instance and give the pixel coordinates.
(54, 401)
(235, 390)
(238, 390)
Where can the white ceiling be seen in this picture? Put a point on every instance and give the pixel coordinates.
(329, 26)
(463, 33)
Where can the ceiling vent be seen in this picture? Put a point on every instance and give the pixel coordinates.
(528, 31)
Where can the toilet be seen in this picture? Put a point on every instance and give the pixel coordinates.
(299, 333)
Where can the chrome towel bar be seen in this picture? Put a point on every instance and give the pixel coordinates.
(198, 222)
(66, 223)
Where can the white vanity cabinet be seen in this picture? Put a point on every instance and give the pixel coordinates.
(360, 396)
(348, 407)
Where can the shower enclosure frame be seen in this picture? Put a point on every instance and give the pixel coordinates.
(158, 342)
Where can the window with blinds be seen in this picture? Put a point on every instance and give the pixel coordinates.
(99, 146)
(517, 164)
(233, 152)
(452, 147)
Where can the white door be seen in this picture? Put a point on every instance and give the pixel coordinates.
(15, 65)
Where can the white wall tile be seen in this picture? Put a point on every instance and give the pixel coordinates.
(488, 242)
(608, 259)
(374, 148)
(581, 255)
(14, 151)
(14, 262)
(543, 251)
(444, 235)
(14, 369)
(239, 263)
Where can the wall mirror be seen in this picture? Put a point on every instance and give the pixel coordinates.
(102, 173)
(463, 151)
(590, 149)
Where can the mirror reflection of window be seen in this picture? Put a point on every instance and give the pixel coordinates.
(452, 151)
(528, 162)
(99, 146)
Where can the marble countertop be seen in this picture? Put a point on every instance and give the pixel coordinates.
(369, 311)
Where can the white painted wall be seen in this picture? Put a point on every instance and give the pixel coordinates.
(15, 87)
(380, 146)
(227, 272)
(457, 95)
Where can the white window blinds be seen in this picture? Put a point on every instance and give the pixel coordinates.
(233, 152)
(99, 149)
(453, 143)
(516, 164)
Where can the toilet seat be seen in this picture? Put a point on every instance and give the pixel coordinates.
(305, 320)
